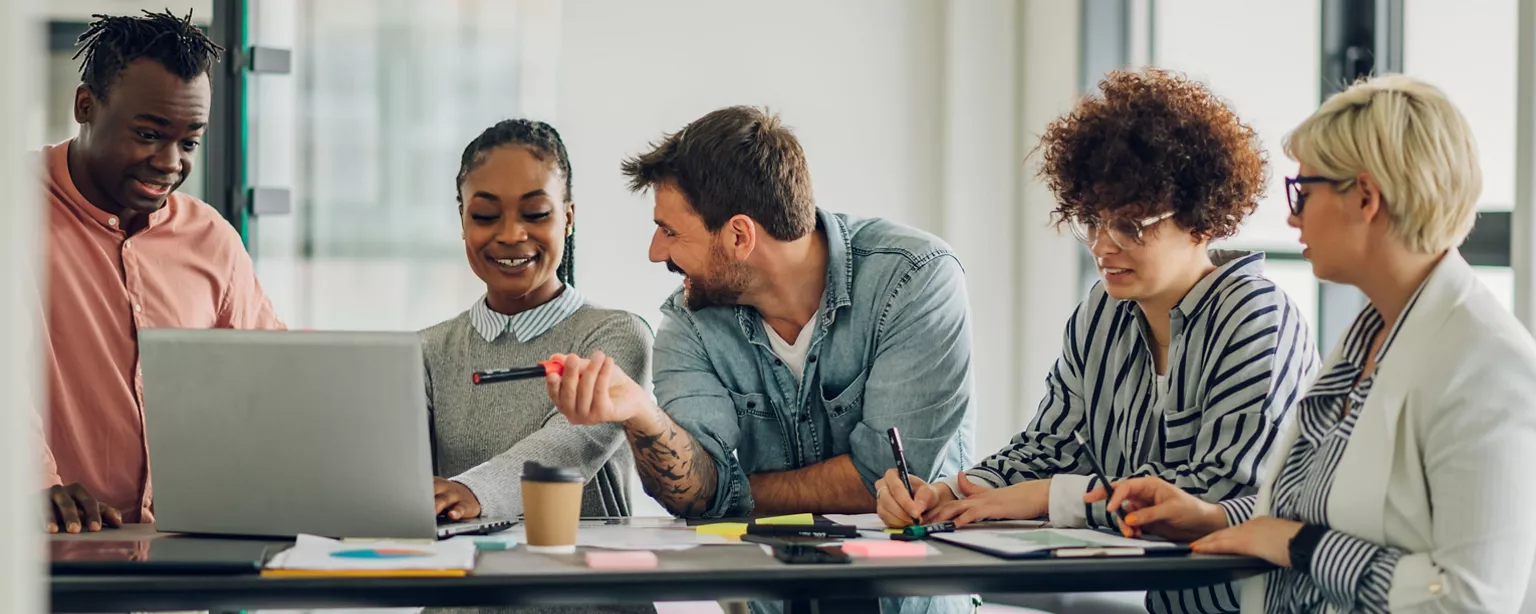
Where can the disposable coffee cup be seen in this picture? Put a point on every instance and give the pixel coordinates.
(551, 507)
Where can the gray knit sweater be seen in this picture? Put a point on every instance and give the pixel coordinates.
(485, 433)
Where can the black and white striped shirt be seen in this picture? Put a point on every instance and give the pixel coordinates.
(1348, 573)
(1238, 359)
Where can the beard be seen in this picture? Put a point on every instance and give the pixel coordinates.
(721, 286)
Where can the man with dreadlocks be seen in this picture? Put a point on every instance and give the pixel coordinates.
(125, 252)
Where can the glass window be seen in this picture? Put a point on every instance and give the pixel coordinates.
(1467, 48)
(368, 131)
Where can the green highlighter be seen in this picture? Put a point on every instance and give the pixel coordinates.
(919, 531)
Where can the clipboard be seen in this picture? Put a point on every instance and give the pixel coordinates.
(1016, 544)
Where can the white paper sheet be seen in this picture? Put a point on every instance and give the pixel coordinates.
(314, 553)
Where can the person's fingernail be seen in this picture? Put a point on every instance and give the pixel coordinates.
(74, 527)
(1131, 519)
(95, 526)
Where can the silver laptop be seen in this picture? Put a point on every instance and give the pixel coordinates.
(267, 433)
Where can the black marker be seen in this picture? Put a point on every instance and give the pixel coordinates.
(506, 375)
(1098, 471)
(901, 460)
(823, 531)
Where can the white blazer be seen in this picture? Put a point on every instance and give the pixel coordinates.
(1442, 462)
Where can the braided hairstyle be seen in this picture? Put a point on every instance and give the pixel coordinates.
(543, 141)
(111, 42)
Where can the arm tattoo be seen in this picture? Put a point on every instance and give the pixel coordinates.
(673, 469)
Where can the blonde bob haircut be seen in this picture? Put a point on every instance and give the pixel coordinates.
(1409, 137)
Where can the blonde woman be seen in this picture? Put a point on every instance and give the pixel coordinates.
(1401, 484)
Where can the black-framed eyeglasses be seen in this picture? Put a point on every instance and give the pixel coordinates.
(1293, 194)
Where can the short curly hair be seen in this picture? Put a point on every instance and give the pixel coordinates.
(1151, 142)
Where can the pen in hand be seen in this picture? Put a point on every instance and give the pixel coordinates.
(1098, 471)
(901, 461)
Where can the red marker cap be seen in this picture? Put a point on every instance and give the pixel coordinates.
(553, 366)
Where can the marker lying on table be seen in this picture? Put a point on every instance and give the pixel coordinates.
(924, 530)
(506, 375)
(823, 531)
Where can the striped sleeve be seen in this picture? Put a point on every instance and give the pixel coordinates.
(1238, 510)
(1258, 359)
(1047, 448)
(1354, 574)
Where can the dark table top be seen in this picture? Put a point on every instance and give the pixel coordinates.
(517, 577)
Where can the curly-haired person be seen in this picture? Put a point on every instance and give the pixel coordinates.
(1183, 361)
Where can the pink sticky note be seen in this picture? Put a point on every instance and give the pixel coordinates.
(633, 559)
(878, 548)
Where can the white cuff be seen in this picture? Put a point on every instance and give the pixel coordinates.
(1067, 507)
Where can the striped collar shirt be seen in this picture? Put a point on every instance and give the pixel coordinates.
(1239, 357)
(1348, 573)
(528, 325)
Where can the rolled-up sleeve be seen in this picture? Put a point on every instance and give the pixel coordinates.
(688, 389)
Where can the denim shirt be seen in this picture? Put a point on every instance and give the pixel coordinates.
(892, 347)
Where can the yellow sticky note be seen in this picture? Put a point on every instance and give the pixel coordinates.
(728, 530)
(792, 519)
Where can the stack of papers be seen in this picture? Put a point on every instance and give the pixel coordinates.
(319, 556)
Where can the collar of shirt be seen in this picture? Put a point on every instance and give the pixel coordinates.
(1228, 263)
(59, 175)
(1340, 377)
(839, 287)
(528, 325)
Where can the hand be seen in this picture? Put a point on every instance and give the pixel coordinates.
(1154, 506)
(75, 509)
(454, 500)
(1024, 500)
(595, 391)
(897, 508)
(1265, 537)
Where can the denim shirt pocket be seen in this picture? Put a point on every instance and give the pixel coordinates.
(845, 409)
(763, 445)
(753, 405)
(844, 399)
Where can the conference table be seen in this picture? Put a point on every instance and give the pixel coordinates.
(706, 573)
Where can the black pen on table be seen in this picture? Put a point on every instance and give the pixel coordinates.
(901, 461)
(1098, 471)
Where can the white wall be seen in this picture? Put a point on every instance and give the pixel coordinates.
(913, 110)
(20, 354)
(858, 80)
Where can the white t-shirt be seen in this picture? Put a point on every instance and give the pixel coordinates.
(793, 354)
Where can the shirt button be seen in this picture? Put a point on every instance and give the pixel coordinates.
(112, 221)
(127, 244)
(751, 404)
(812, 359)
(138, 307)
(1434, 589)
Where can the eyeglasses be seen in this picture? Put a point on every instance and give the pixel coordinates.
(1122, 231)
(1293, 194)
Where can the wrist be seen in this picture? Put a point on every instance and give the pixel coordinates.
(1303, 545)
(1215, 517)
(650, 419)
